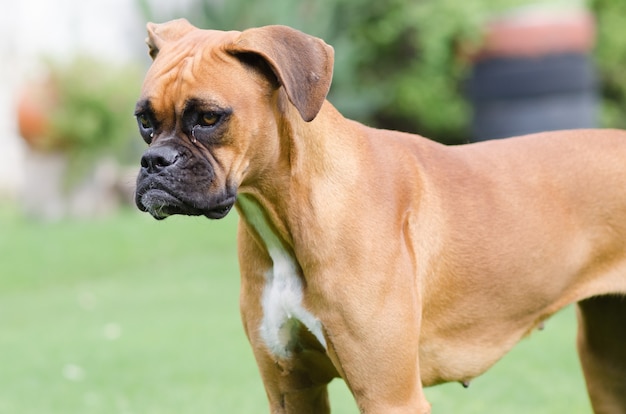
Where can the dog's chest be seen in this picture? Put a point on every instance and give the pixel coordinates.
(282, 301)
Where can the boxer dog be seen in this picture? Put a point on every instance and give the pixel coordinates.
(380, 257)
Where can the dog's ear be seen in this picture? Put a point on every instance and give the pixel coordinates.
(159, 34)
(302, 64)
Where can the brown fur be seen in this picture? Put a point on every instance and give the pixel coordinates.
(424, 263)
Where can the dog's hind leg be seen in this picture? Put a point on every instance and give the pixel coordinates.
(602, 351)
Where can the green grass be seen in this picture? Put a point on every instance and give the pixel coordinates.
(129, 315)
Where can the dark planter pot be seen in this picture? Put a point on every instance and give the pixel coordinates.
(532, 76)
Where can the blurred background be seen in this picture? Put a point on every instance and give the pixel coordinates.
(452, 71)
(104, 310)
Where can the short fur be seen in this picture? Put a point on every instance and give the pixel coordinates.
(405, 263)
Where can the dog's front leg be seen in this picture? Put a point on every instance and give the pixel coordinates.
(292, 388)
(373, 340)
(295, 380)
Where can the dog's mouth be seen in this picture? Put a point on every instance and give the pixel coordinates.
(162, 204)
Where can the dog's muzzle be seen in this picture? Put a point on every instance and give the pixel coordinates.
(171, 181)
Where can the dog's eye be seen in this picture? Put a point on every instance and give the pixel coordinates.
(209, 119)
(204, 125)
(146, 128)
(144, 121)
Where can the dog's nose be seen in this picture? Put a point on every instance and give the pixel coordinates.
(156, 159)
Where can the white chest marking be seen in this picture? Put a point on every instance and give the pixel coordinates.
(282, 305)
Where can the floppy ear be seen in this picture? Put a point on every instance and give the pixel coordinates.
(302, 64)
(159, 34)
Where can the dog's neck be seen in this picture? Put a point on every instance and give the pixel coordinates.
(301, 147)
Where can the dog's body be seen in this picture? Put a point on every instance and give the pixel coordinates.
(381, 257)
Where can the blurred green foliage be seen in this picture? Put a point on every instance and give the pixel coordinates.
(92, 114)
(611, 60)
(399, 64)
(91, 94)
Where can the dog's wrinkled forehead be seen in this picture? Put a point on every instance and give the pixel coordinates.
(168, 37)
(184, 54)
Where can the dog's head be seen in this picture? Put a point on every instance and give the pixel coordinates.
(210, 110)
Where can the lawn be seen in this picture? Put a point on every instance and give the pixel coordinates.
(130, 315)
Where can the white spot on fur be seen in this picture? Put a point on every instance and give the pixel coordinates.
(282, 297)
